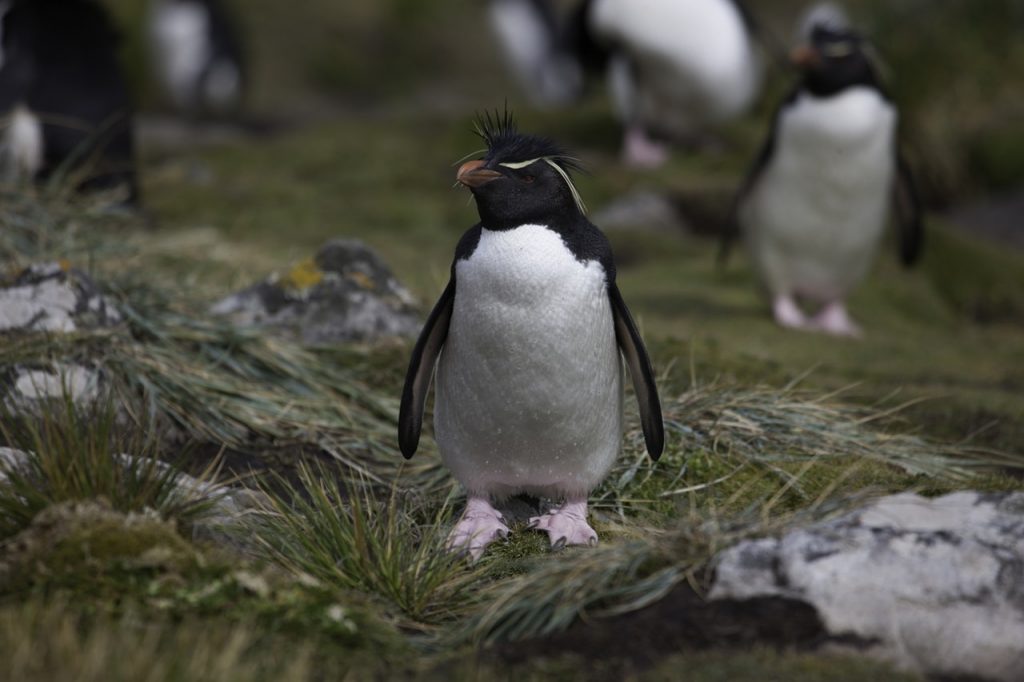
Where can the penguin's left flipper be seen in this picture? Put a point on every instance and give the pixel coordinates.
(421, 368)
(908, 213)
(632, 348)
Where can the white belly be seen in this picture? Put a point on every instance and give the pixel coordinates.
(22, 147)
(693, 61)
(529, 384)
(181, 47)
(817, 213)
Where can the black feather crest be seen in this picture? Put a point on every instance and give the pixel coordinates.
(505, 144)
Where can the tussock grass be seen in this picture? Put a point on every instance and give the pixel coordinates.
(38, 224)
(73, 454)
(347, 534)
(739, 446)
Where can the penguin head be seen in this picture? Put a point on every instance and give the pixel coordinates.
(835, 58)
(522, 179)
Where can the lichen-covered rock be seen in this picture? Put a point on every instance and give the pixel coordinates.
(935, 586)
(53, 297)
(345, 293)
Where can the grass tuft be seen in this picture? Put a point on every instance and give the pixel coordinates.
(349, 535)
(67, 453)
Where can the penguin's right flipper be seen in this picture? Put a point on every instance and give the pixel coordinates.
(908, 213)
(421, 369)
(731, 229)
(632, 347)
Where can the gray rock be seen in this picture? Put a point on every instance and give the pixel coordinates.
(935, 586)
(642, 210)
(55, 298)
(345, 293)
(28, 386)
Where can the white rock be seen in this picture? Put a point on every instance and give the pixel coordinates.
(51, 297)
(79, 384)
(935, 586)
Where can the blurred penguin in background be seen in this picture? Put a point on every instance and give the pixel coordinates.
(677, 67)
(198, 56)
(674, 67)
(814, 206)
(64, 104)
(532, 41)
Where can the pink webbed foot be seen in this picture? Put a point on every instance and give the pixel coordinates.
(833, 319)
(480, 525)
(788, 314)
(640, 151)
(566, 525)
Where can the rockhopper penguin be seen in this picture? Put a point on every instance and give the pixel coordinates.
(814, 206)
(529, 332)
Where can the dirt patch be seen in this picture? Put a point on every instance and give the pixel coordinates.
(682, 620)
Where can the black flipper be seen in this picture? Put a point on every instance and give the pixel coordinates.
(731, 230)
(908, 213)
(421, 369)
(632, 347)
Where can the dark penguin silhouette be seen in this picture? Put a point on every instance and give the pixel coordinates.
(530, 332)
(63, 97)
(198, 56)
(814, 206)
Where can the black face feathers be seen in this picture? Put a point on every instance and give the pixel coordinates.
(843, 59)
(506, 145)
(530, 177)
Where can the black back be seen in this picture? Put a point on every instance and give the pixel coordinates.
(60, 61)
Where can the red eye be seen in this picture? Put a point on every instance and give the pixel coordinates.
(528, 178)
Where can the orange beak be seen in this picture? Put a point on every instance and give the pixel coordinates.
(473, 174)
(804, 57)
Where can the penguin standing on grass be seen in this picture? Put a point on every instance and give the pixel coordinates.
(529, 332)
(814, 206)
(63, 100)
(198, 56)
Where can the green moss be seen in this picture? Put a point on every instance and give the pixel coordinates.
(74, 545)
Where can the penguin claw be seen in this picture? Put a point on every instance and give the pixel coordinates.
(833, 319)
(479, 526)
(566, 525)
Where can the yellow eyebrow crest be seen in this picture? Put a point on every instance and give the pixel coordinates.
(517, 165)
(520, 164)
